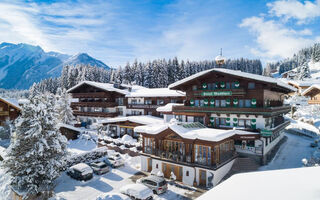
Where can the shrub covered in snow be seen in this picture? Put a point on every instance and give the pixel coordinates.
(87, 156)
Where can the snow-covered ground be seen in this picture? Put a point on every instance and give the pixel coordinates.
(81, 145)
(291, 153)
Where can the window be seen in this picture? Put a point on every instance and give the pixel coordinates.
(196, 103)
(194, 87)
(228, 85)
(201, 103)
(149, 113)
(134, 101)
(187, 173)
(223, 103)
(248, 123)
(251, 85)
(223, 121)
(157, 166)
(247, 103)
(241, 103)
(179, 118)
(233, 85)
(241, 122)
(160, 101)
(198, 119)
(217, 104)
(148, 101)
(173, 101)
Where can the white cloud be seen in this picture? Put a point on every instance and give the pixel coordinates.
(274, 39)
(302, 11)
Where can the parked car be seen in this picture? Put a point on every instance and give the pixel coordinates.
(99, 167)
(113, 196)
(137, 191)
(114, 160)
(80, 172)
(156, 183)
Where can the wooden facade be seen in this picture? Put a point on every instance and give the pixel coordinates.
(314, 93)
(150, 104)
(96, 102)
(8, 111)
(169, 146)
(216, 93)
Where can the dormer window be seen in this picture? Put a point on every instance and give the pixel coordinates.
(251, 85)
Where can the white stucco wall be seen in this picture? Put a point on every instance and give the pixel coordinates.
(220, 173)
(260, 121)
(167, 117)
(154, 164)
(188, 180)
(273, 143)
(144, 163)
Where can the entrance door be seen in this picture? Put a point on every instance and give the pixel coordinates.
(178, 173)
(202, 177)
(166, 169)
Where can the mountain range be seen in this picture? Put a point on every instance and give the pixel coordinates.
(22, 64)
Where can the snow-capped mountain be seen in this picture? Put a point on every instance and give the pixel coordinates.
(22, 64)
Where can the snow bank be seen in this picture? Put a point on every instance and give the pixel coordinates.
(293, 184)
(168, 107)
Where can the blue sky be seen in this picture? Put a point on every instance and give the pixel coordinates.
(119, 31)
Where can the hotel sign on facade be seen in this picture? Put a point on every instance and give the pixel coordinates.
(217, 93)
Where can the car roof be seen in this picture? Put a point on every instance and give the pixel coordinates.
(154, 178)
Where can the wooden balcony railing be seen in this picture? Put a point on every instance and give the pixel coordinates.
(93, 104)
(4, 113)
(266, 111)
(95, 114)
(90, 95)
(314, 101)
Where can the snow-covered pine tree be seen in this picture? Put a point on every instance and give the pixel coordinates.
(35, 156)
(303, 71)
(63, 108)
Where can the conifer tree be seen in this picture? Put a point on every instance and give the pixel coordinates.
(63, 108)
(35, 156)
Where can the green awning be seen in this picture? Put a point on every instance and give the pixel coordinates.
(212, 102)
(222, 84)
(206, 102)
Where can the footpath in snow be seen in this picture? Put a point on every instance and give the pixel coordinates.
(291, 153)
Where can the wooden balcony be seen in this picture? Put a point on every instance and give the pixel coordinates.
(93, 104)
(4, 113)
(143, 106)
(314, 101)
(90, 95)
(265, 111)
(95, 114)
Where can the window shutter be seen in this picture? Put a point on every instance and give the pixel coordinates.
(212, 102)
(206, 102)
(228, 122)
(237, 84)
(228, 102)
(191, 102)
(235, 102)
(204, 86)
(253, 103)
(253, 123)
(235, 122)
(222, 85)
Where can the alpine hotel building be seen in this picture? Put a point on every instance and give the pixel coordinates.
(226, 113)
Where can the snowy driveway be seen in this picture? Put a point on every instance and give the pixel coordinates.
(291, 153)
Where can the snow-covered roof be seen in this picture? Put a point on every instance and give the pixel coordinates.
(12, 102)
(304, 83)
(103, 86)
(140, 119)
(191, 131)
(138, 191)
(156, 92)
(293, 184)
(168, 107)
(68, 127)
(234, 73)
(23, 101)
(306, 91)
